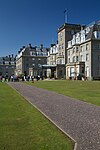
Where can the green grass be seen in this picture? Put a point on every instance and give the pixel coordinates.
(22, 127)
(88, 91)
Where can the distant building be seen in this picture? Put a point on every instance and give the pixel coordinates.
(30, 61)
(83, 53)
(52, 61)
(7, 65)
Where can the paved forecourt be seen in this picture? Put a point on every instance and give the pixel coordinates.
(78, 119)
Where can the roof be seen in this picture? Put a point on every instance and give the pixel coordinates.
(68, 25)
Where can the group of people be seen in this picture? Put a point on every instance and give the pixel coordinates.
(14, 78)
(7, 78)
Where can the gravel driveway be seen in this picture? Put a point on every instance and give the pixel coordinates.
(78, 119)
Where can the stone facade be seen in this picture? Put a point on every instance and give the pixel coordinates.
(65, 33)
(52, 61)
(83, 54)
(7, 66)
(30, 61)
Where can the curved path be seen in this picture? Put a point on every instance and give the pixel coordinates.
(78, 119)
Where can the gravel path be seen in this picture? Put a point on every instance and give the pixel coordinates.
(78, 119)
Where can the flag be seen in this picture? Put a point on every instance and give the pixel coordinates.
(65, 11)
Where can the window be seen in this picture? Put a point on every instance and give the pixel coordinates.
(76, 58)
(83, 70)
(7, 62)
(61, 61)
(98, 34)
(68, 60)
(39, 65)
(76, 49)
(73, 58)
(51, 63)
(57, 61)
(62, 45)
(59, 47)
(44, 54)
(87, 47)
(72, 71)
(81, 57)
(33, 54)
(61, 36)
(51, 57)
(12, 62)
(82, 49)
(68, 52)
(87, 71)
(87, 57)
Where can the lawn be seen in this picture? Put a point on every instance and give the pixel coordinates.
(88, 91)
(22, 127)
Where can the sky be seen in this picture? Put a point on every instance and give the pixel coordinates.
(36, 21)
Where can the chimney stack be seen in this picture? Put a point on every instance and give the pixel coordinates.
(30, 45)
(41, 46)
(23, 47)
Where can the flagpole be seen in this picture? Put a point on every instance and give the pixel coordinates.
(65, 16)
